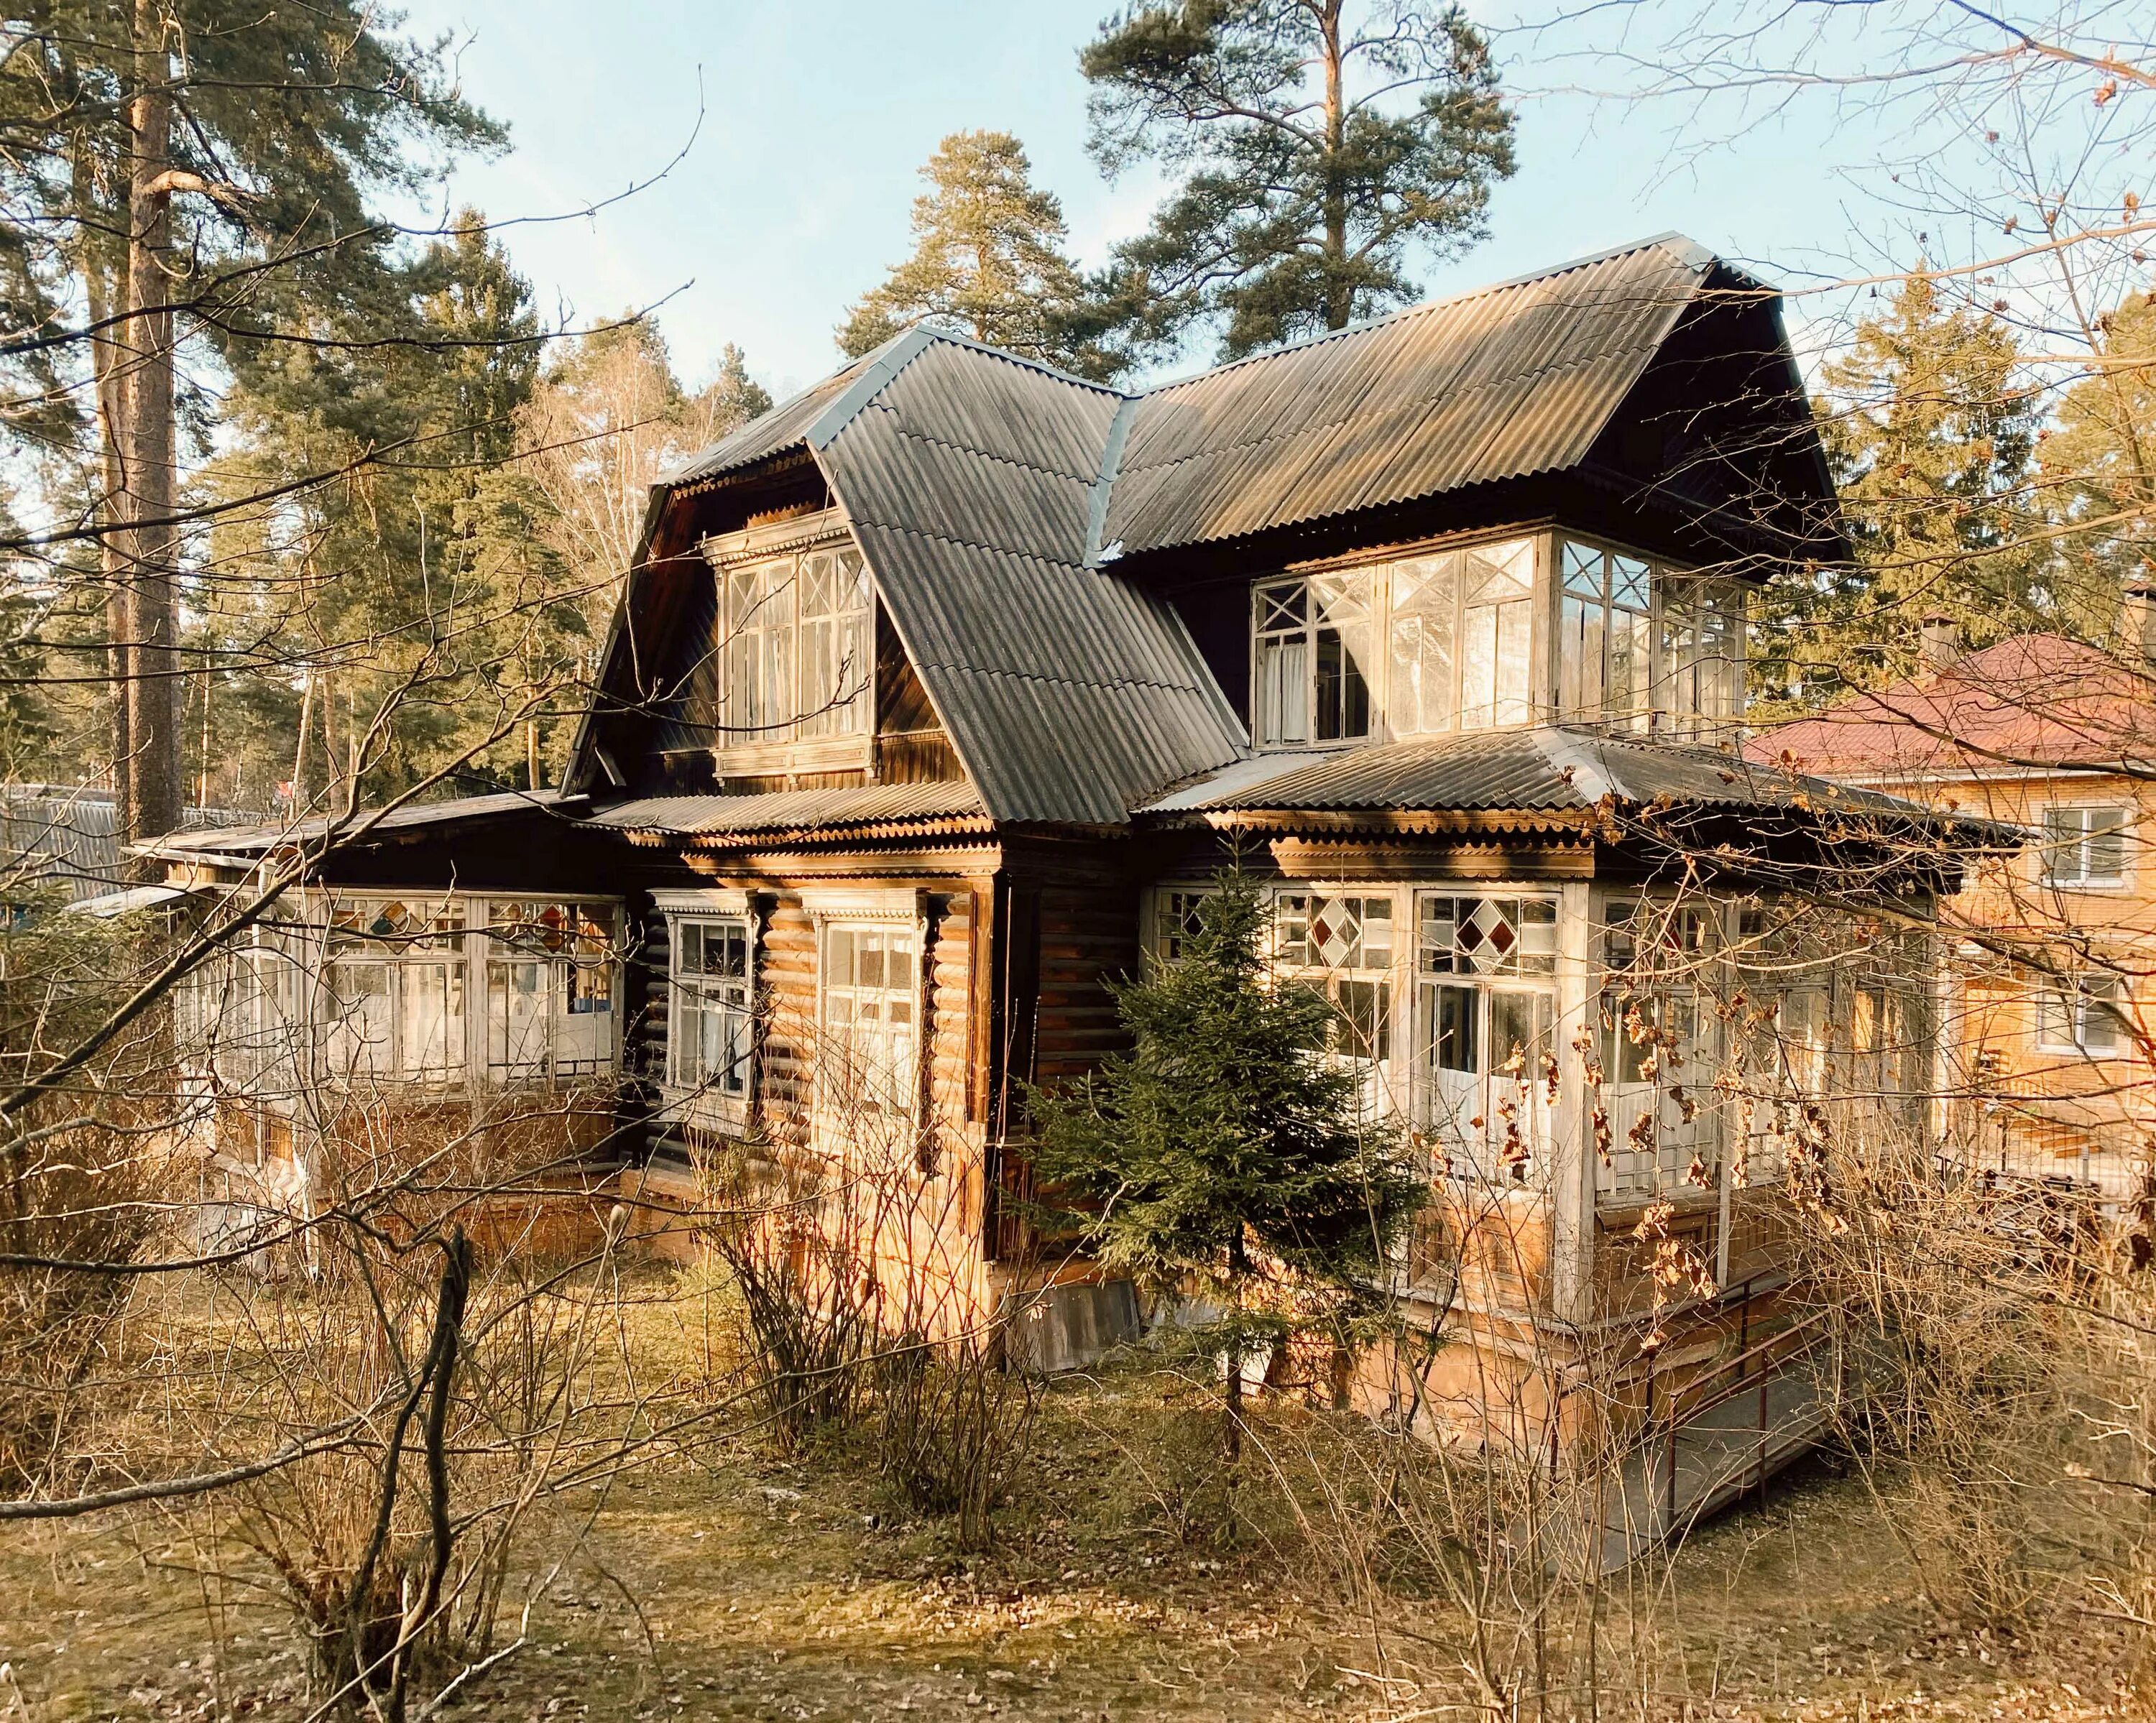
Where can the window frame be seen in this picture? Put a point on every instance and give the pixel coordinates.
(1358, 587)
(402, 958)
(883, 911)
(1513, 976)
(1420, 619)
(2082, 844)
(701, 1101)
(806, 740)
(2096, 996)
(1686, 608)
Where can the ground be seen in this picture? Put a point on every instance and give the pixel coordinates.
(730, 1579)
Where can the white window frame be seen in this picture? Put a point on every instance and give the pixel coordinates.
(1520, 972)
(777, 619)
(883, 910)
(1688, 678)
(2066, 1011)
(699, 1100)
(400, 963)
(1346, 602)
(485, 956)
(2052, 845)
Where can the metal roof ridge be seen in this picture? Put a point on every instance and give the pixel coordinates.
(1688, 250)
(1104, 481)
(884, 364)
(1571, 754)
(958, 339)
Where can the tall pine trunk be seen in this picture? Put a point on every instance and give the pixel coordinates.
(100, 288)
(150, 692)
(1339, 295)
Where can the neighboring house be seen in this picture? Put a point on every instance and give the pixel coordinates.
(938, 693)
(2047, 999)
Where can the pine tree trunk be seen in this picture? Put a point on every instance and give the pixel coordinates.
(152, 688)
(1235, 1433)
(1339, 298)
(112, 549)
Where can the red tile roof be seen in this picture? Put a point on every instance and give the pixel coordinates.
(2031, 701)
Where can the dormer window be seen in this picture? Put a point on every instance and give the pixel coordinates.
(1486, 636)
(794, 652)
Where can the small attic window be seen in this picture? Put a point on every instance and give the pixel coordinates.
(795, 640)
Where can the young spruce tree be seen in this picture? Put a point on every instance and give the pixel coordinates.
(1225, 1154)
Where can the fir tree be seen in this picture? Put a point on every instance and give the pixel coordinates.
(1227, 1153)
(1929, 429)
(987, 261)
(1321, 143)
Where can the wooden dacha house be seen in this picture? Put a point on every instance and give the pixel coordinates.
(938, 694)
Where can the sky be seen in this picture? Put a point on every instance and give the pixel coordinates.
(778, 146)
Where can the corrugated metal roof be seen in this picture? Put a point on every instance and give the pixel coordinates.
(230, 840)
(784, 426)
(1548, 770)
(982, 488)
(1505, 381)
(1069, 693)
(801, 813)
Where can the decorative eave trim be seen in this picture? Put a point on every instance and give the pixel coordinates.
(716, 900)
(723, 550)
(864, 903)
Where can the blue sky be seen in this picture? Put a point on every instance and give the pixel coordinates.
(793, 196)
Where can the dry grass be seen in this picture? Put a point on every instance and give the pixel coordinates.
(729, 1581)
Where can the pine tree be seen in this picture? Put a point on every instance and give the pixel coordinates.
(2099, 467)
(987, 261)
(425, 587)
(1227, 1153)
(1929, 427)
(187, 172)
(1322, 142)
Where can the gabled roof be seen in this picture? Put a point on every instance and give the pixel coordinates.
(1503, 382)
(992, 495)
(2029, 702)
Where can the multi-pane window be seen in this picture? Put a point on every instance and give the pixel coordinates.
(794, 647)
(710, 1030)
(1462, 629)
(2083, 1017)
(1313, 668)
(1485, 983)
(550, 990)
(1343, 945)
(1658, 1052)
(1497, 633)
(395, 985)
(869, 1059)
(1175, 921)
(1643, 646)
(2085, 846)
(1605, 636)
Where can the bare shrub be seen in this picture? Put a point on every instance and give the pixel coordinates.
(459, 1381)
(792, 1241)
(953, 1426)
(88, 1172)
